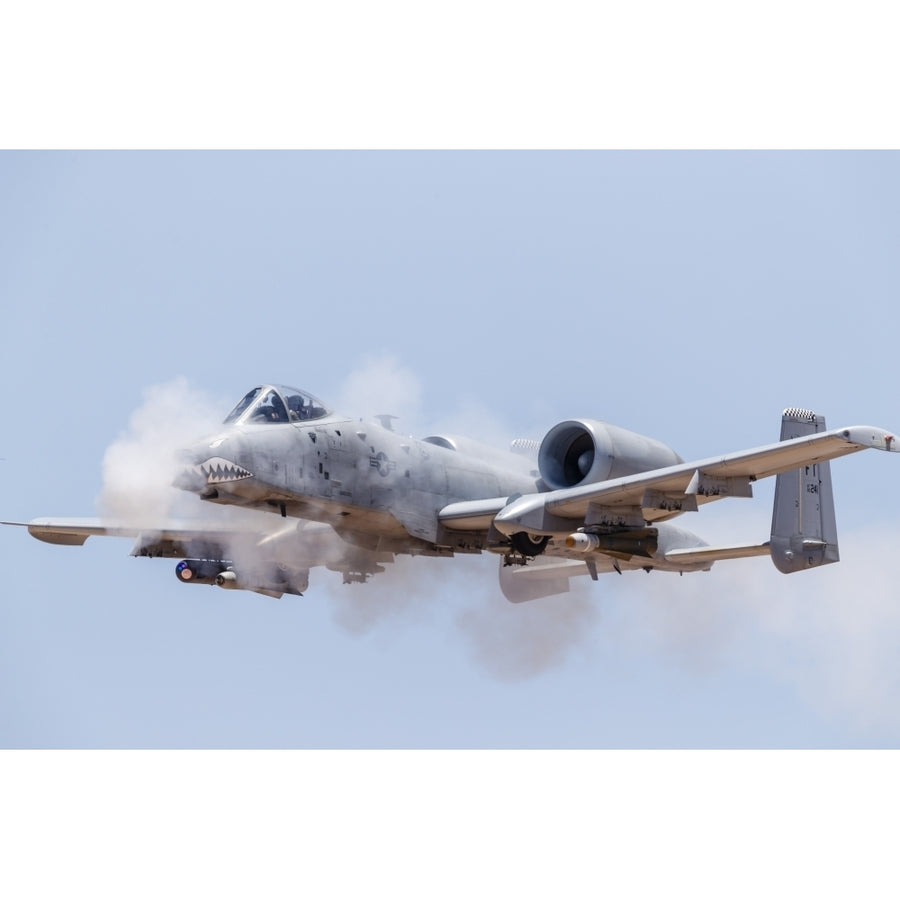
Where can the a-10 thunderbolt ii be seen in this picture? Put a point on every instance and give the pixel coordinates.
(590, 498)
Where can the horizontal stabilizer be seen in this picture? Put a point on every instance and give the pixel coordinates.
(711, 554)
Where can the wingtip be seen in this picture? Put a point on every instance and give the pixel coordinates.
(870, 436)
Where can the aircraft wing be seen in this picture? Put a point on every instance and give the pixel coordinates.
(712, 554)
(268, 554)
(193, 538)
(660, 493)
(75, 531)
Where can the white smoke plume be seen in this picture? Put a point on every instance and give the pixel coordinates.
(829, 635)
(833, 633)
(472, 418)
(509, 641)
(139, 467)
(519, 641)
(384, 386)
(403, 595)
(381, 386)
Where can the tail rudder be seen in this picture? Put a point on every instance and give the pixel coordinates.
(804, 531)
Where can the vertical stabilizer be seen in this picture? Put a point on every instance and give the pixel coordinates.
(804, 532)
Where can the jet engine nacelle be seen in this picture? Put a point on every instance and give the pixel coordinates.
(584, 451)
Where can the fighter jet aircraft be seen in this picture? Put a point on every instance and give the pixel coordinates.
(350, 495)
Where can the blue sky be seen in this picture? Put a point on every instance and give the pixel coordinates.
(686, 295)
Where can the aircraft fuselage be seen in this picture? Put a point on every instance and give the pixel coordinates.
(359, 477)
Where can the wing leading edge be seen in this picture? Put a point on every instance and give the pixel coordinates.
(75, 531)
(680, 488)
(270, 555)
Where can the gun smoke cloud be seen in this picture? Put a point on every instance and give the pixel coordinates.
(139, 467)
(509, 642)
(829, 635)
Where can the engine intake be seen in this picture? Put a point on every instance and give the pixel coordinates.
(585, 451)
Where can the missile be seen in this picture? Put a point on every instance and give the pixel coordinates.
(582, 542)
(636, 542)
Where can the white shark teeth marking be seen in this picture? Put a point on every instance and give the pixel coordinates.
(217, 471)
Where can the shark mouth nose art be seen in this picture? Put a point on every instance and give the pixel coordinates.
(218, 471)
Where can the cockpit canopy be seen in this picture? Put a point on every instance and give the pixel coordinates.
(275, 403)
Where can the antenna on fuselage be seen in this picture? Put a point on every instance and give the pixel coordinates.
(386, 421)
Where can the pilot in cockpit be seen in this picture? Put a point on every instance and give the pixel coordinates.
(300, 408)
(278, 404)
(271, 409)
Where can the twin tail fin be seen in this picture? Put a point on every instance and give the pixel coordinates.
(804, 531)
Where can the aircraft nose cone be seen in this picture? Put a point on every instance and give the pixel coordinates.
(208, 464)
